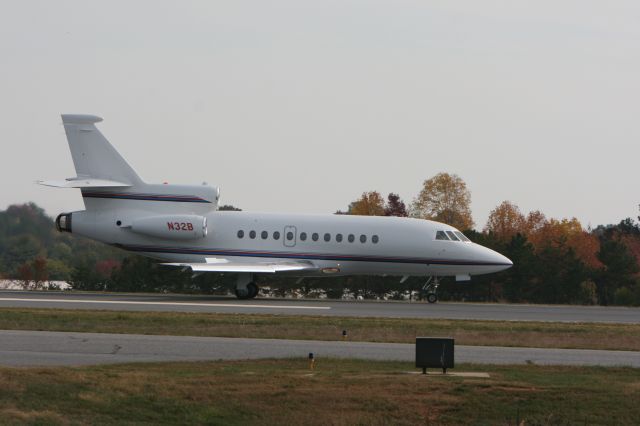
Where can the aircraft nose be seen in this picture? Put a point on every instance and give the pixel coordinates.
(508, 263)
(499, 261)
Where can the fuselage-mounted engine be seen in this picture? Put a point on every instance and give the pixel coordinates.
(174, 227)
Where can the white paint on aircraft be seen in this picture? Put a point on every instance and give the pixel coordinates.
(180, 225)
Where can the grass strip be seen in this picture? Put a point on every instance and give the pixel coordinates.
(393, 330)
(338, 392)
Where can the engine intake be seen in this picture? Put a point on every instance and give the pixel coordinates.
(63, 222)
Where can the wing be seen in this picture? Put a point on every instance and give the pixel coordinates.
(225, 265)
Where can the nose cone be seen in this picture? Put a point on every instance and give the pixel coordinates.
(497, 261)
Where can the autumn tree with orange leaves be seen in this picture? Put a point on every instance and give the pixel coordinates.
(535, 221)
(445, 198)
(372, 204)
(569, 233)
(506, 221)
(369, 204)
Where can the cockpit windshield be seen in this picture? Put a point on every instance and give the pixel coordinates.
(451, 236)
(462, 236)
(441, 235)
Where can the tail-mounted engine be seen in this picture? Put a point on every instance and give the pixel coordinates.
(63, 222)
(174, 227)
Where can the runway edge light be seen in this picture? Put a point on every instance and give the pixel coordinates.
(312, 361)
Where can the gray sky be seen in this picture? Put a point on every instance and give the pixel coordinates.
(302, 105)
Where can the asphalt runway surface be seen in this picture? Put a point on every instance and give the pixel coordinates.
(188, 303)
(45, 348)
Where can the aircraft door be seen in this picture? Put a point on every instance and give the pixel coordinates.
(290, 236)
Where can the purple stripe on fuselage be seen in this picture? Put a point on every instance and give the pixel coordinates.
(306, 256)
(145, 197)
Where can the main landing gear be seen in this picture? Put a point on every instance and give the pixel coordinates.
(246, 288)
(430, 288)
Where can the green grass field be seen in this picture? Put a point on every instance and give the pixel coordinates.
(466, 332)
(337, 392)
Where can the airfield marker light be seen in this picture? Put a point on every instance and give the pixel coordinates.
(344, 334)
(312, 361)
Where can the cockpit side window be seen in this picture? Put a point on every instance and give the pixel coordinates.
(452, 236)
(462, 236)
(440, 235)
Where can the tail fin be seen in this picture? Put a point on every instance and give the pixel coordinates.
(93, 156)
(107, 182)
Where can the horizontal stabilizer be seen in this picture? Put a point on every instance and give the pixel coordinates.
(223, 265)
(83, 183)
(80, 119)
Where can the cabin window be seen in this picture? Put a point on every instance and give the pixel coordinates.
(276, 235)
(289, 235)
(339, 238)
(252, 234)
(363, 238)
(241, 234)
(264, 235)
(462, 236)
(351, 238)
(327, 237)
(303, 236)
(314, 236)
(440, 235)
(375, 239)
(452, 236)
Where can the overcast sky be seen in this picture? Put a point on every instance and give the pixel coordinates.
(301, 106)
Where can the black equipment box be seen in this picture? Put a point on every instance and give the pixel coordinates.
(434, 352)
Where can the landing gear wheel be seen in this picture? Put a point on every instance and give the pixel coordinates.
(249, 292)
(242, 293)
(246, 287)
(253, 290)
(431, 287)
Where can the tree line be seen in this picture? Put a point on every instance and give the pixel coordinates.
(555, 260)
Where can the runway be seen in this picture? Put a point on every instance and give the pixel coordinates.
(40, 348)
(188, 303)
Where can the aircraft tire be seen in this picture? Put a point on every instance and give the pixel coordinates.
(253, 290)
(432, 297)
(242, 294)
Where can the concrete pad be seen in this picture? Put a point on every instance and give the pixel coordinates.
(453, 374)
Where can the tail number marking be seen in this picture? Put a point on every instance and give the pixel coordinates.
(180, 226)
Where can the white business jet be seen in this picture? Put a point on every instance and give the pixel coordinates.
(180, 225)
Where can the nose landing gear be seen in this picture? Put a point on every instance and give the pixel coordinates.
(430, 288)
